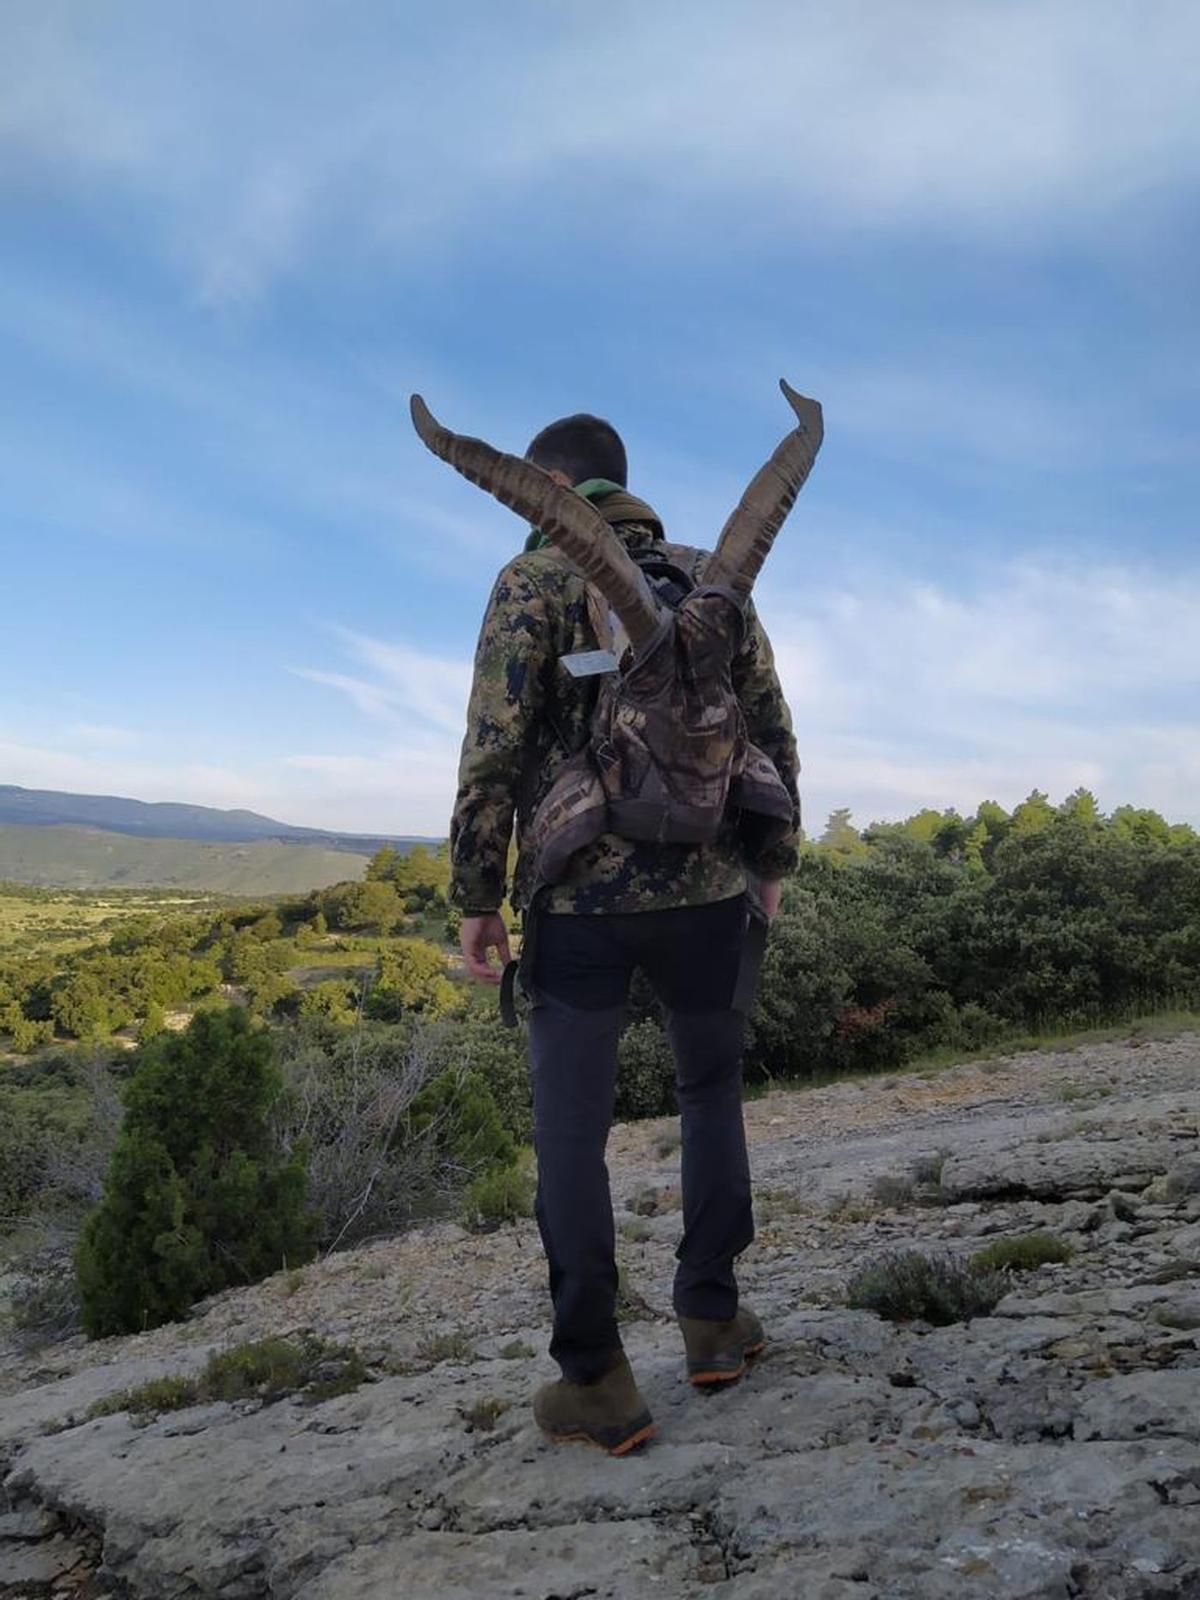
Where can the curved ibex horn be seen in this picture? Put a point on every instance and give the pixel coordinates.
(565, 517)
(747, 537)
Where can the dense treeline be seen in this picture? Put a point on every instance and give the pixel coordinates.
(949, 930)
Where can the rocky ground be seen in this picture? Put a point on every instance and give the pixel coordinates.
(1049, 1450)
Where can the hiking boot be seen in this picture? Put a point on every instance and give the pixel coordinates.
(609, 1413)
(717, 1352)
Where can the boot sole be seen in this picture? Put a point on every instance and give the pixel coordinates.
(711, 1376)
(620, 1448)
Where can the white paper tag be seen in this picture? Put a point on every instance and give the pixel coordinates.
(588, 663)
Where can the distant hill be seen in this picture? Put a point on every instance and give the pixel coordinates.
(89, 858)
(48, 808)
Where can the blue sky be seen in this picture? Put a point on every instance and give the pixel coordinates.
(235, 237)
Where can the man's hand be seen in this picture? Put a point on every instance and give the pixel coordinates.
(479, 935)
(770, 891)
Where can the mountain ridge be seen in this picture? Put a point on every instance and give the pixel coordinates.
(167, 819)
(66, 856)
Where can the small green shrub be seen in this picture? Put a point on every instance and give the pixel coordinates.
(458, 1111)
(645, 1073)
(477, 1042)
(1074, 1091)
(411, 977)
(516, 1350)
(1021, 1253)
(503, 1195)
(197, 1197)
(268, 1369)
(261, 1369)
(482, 1415)
(928, 1168)
(438, 1347)
(771, 1204)
(158, 1394)
(848, 1207)
(334, 998)
(909, 1286)
(635, 1230)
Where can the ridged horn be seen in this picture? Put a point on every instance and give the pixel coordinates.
(747, 537)
(565, 517)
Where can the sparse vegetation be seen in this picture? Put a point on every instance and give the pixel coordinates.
(893, 1191)
(912, 1287)
(771, 1204)
(502, 1195)
(148, 1399)
(452, 1346)
(851, 1208)
(928, 1168)
(262, 1369)
(1021, 1253)
(631, 1305)
(481, 1416)
(667, 1142)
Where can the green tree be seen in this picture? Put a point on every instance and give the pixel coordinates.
(384, 864)
(1034, 813)
(372, 904)
(1082, 806)
(86, 1005)
(411, 977)
(1141, 825)
(458, 1110)
(841, 835)
(196, 1198)
(335, 999)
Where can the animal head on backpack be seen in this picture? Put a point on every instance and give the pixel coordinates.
(544, 497)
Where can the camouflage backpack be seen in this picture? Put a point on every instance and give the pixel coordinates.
(668, 759)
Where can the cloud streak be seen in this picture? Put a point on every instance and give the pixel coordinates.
(909, 694)
(260, 134)
(407, 685)
(904, 695)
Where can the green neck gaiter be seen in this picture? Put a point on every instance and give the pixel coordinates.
(590, 489)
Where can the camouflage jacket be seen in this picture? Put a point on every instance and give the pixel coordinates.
(527, 715)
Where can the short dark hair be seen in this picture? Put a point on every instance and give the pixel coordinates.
(583, 447)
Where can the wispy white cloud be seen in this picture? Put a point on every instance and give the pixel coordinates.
(910, 694)
(407, 683)
(257, 132)
(904, 694)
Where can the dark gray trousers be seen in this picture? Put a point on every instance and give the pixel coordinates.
(578, 983)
